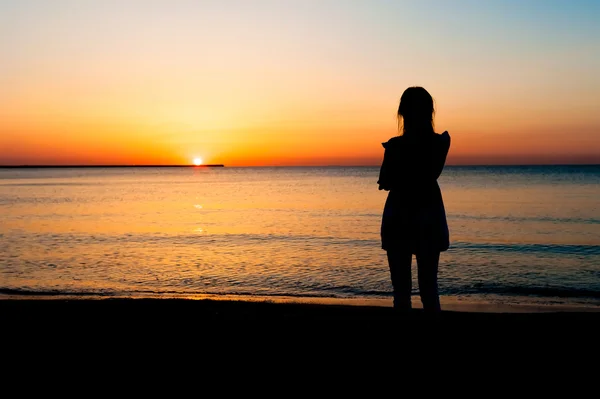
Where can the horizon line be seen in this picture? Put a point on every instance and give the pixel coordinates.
(114, 166)
(263, 166)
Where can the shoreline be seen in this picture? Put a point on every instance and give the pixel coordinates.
(449, 304)
(155, 316)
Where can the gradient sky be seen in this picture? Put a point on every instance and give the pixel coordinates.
(295, 82)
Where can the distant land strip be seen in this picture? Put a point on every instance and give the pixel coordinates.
(109, 166)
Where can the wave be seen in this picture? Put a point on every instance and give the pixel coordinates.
(478, 288)
(559, 249)
(302, 239)
(488, 288)
(543, 219)
(516, 290)
(26, 292)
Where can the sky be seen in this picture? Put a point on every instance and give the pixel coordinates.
(252, 83)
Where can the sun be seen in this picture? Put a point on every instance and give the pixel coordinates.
(198, 161)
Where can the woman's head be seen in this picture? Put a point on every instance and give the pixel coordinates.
(416, 110)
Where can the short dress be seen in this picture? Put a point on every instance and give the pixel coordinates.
(414, 218)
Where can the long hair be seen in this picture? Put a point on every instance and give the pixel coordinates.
(416, 110)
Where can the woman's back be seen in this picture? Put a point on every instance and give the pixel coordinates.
(412, 165)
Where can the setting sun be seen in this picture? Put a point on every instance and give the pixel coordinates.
(197, 161)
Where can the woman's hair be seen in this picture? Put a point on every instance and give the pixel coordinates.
(416, 110)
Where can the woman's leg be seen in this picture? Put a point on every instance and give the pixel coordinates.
(427, 264)
(400, 263)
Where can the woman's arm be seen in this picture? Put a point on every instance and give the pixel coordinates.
(385, 170)
(440, 155)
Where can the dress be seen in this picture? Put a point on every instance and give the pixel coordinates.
(414, 218)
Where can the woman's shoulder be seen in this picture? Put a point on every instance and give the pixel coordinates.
(443, 138)
(397, 141)
(393, 142)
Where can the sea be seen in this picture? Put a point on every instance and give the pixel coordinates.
(519, 234)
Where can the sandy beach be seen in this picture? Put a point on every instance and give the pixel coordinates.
(187, 312)
(231, 332)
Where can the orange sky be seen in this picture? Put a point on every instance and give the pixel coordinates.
(294, 83)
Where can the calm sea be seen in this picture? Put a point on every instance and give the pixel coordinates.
(518, 234)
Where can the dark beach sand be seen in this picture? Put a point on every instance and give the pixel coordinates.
(236, 333)
(189, 312)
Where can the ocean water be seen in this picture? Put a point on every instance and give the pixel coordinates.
(518, 234)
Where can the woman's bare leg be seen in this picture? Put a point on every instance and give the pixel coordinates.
(427, 264)
(400, 264)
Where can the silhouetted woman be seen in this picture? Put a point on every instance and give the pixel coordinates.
(414, 219)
